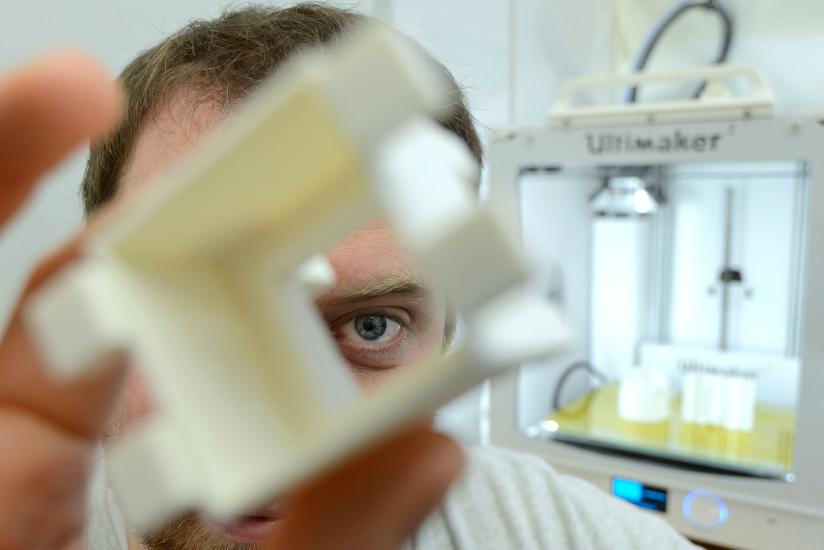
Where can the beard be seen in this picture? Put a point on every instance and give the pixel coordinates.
(190, 533)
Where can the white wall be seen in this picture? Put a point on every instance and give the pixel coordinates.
(511, 55)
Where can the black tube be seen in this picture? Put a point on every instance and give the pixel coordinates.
(631, 93)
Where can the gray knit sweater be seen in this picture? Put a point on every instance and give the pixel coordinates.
(504, 500)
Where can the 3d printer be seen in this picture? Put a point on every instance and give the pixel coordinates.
(679, 238)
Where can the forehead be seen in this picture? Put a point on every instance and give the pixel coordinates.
(364, 258)
(367, 258)
(168, 135)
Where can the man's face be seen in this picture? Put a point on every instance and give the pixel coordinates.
(380, 311)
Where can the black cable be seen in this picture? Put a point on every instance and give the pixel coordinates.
(562, 380)
(631, 93)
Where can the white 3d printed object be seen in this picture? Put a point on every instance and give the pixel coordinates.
(644, 395)
(208, 282)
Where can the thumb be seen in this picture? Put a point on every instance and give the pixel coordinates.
(47, 108)
(374, 501)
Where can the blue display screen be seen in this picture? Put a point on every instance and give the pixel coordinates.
(651, 498)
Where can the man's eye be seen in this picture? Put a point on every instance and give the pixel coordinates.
(374, 338)
(370, 329)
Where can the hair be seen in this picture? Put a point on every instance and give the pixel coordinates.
(223, 60)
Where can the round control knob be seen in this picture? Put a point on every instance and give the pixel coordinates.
(705, 510)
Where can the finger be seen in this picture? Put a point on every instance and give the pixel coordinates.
(42, 483)
(374, 501)
(48, 431)
(79, 407)
(46, 109)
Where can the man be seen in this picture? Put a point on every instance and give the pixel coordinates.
(380, 313)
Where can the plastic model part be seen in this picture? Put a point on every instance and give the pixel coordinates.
(718, 100)
(208, 282)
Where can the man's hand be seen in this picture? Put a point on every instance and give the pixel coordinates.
(48, 431)
(376, 499)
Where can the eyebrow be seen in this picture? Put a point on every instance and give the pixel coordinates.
(403, 284)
